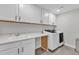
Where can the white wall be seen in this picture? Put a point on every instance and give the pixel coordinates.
(69, 24)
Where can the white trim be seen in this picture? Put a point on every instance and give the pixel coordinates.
(44, 48)
(69, 45)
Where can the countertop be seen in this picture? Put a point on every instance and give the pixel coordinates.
(14, 38)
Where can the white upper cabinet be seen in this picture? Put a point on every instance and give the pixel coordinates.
(30, 13)
(48, 17)
(45, 16)
(8, 12)
(12, 51)
(52, 19)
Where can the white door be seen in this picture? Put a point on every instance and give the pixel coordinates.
(12, 51)
(45, 16)
(30, 13)
(28, 47)
(8, 12)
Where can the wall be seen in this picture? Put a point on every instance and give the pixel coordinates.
(68, 23)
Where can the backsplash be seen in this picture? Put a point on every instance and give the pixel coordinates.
(21, 28)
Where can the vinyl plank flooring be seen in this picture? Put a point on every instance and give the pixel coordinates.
(64, 50)
(39, 51)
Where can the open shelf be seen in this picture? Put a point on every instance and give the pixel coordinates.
(8, 21)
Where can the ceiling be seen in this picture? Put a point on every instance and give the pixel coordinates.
(64, 7)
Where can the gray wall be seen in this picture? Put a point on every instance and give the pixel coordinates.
(69, 24)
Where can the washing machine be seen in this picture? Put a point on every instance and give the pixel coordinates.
(55, 39)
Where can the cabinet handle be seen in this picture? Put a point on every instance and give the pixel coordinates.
(15, 17)
(22, 49)
(18, 50)
(19, 18)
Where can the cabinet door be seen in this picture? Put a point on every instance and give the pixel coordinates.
(8, 12)
(52, 19)
(30, 13)
(45, 16)
(13, 51)
(28, 47)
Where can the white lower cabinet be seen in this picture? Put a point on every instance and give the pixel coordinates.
(12, 51)
(24, 47)
(28, 47)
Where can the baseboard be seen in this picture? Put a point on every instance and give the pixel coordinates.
(69, 45)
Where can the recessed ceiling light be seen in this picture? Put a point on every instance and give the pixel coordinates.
(59, 9)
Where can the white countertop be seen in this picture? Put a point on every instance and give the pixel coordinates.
(14, 38)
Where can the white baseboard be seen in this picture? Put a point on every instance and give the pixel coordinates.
(69, 45)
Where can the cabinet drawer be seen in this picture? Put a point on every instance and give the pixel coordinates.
(9, 45)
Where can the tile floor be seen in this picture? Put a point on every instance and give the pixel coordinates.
(64, 50)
